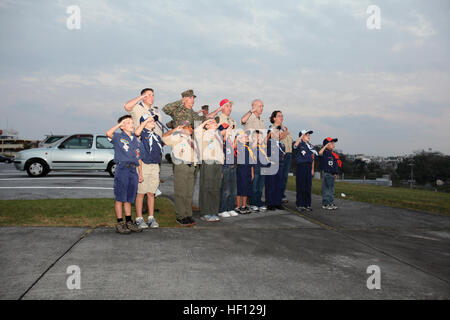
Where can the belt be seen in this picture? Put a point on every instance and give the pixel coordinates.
(128, 164)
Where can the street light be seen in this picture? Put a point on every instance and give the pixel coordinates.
(411, 164)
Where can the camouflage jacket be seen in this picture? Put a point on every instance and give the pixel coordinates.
(180, 113)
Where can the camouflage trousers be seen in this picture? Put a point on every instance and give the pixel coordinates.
(183, 179)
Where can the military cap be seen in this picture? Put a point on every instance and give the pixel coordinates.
(188, 93)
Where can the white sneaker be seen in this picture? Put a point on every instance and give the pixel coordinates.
(215, 217)
(233, 213)
(263, 208)
(140, 222)
(224, 214)
(152, 223)
(254, 208)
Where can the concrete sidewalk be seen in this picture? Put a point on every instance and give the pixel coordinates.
(273, 255)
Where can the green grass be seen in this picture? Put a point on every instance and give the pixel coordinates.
(73, 212)
(422, 200)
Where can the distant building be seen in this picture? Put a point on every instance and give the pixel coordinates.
(10, 144)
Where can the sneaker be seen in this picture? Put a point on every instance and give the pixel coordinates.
(309, 209)
(285, 200)
(233, 213)
(244, 210)
(301, 209)
(215, 217)
(140, 222)
(225, 214)
(263, 208)
(184, 222)
(121, 228)
(254, 208)
(133, 227)
(152, 223)
(333, 206)
(237, 210)
(206, 218)
(191, 221)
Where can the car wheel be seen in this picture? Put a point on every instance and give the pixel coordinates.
(37, 168)
(112, 169)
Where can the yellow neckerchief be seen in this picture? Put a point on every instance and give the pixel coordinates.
(263, 152)
(250, 152)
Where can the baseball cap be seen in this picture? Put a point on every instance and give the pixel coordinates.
(327, 140)
(223, 126)
(224, 101)
(305, 132)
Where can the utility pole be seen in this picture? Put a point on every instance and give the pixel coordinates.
(411, 164)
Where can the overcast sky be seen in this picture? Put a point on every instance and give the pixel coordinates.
(381, 92)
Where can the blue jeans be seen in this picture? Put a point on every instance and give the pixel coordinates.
(327, 188)
(257, 187)
(286, 169)
(228, 189)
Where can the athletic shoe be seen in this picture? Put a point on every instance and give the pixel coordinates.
(333, 206)
(285, 200)
(263, 208)
(225, 214)
(184, 222)
(237, 210)
(208, 218)
(191, 221)
(215, 217)
(309, 209)
(233, 213)
(133, 227)
(301, 209)
(244, 210)
(121, 228)
(152, 223)
(140, 222)
(254, 208)
(327, 207)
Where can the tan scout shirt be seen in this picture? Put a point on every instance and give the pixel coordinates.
(226, 119)
(288, 143)
(183, 147)
(254, 122)
(139, 110)
(210, 143)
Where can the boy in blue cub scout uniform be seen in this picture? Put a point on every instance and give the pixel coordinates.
(245, 161)
(151, 150)
(329, 163)
(126, 158)
(304, 158)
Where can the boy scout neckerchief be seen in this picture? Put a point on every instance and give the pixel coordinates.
(278, 144)
(311, 148)
(263, 152)
(339, 162)
(150, 140)
(161, 125)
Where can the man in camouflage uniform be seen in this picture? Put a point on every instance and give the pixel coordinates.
(181, 111)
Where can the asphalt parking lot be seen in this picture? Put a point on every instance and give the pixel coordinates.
(272, 255)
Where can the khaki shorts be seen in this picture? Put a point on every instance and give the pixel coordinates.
(150, 172)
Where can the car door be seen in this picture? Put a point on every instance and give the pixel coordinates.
(74, 153)
(103, 153)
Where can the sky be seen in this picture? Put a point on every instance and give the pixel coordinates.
(380, 91)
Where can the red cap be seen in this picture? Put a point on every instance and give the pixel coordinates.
(224, 101)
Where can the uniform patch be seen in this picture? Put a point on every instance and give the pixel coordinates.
(125, 144)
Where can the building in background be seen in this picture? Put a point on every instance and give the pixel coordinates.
(10, 144)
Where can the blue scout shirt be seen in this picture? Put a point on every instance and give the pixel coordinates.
(245, 155)
(328, 163)
(151, 147)
(303, 154)
(126, 148)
